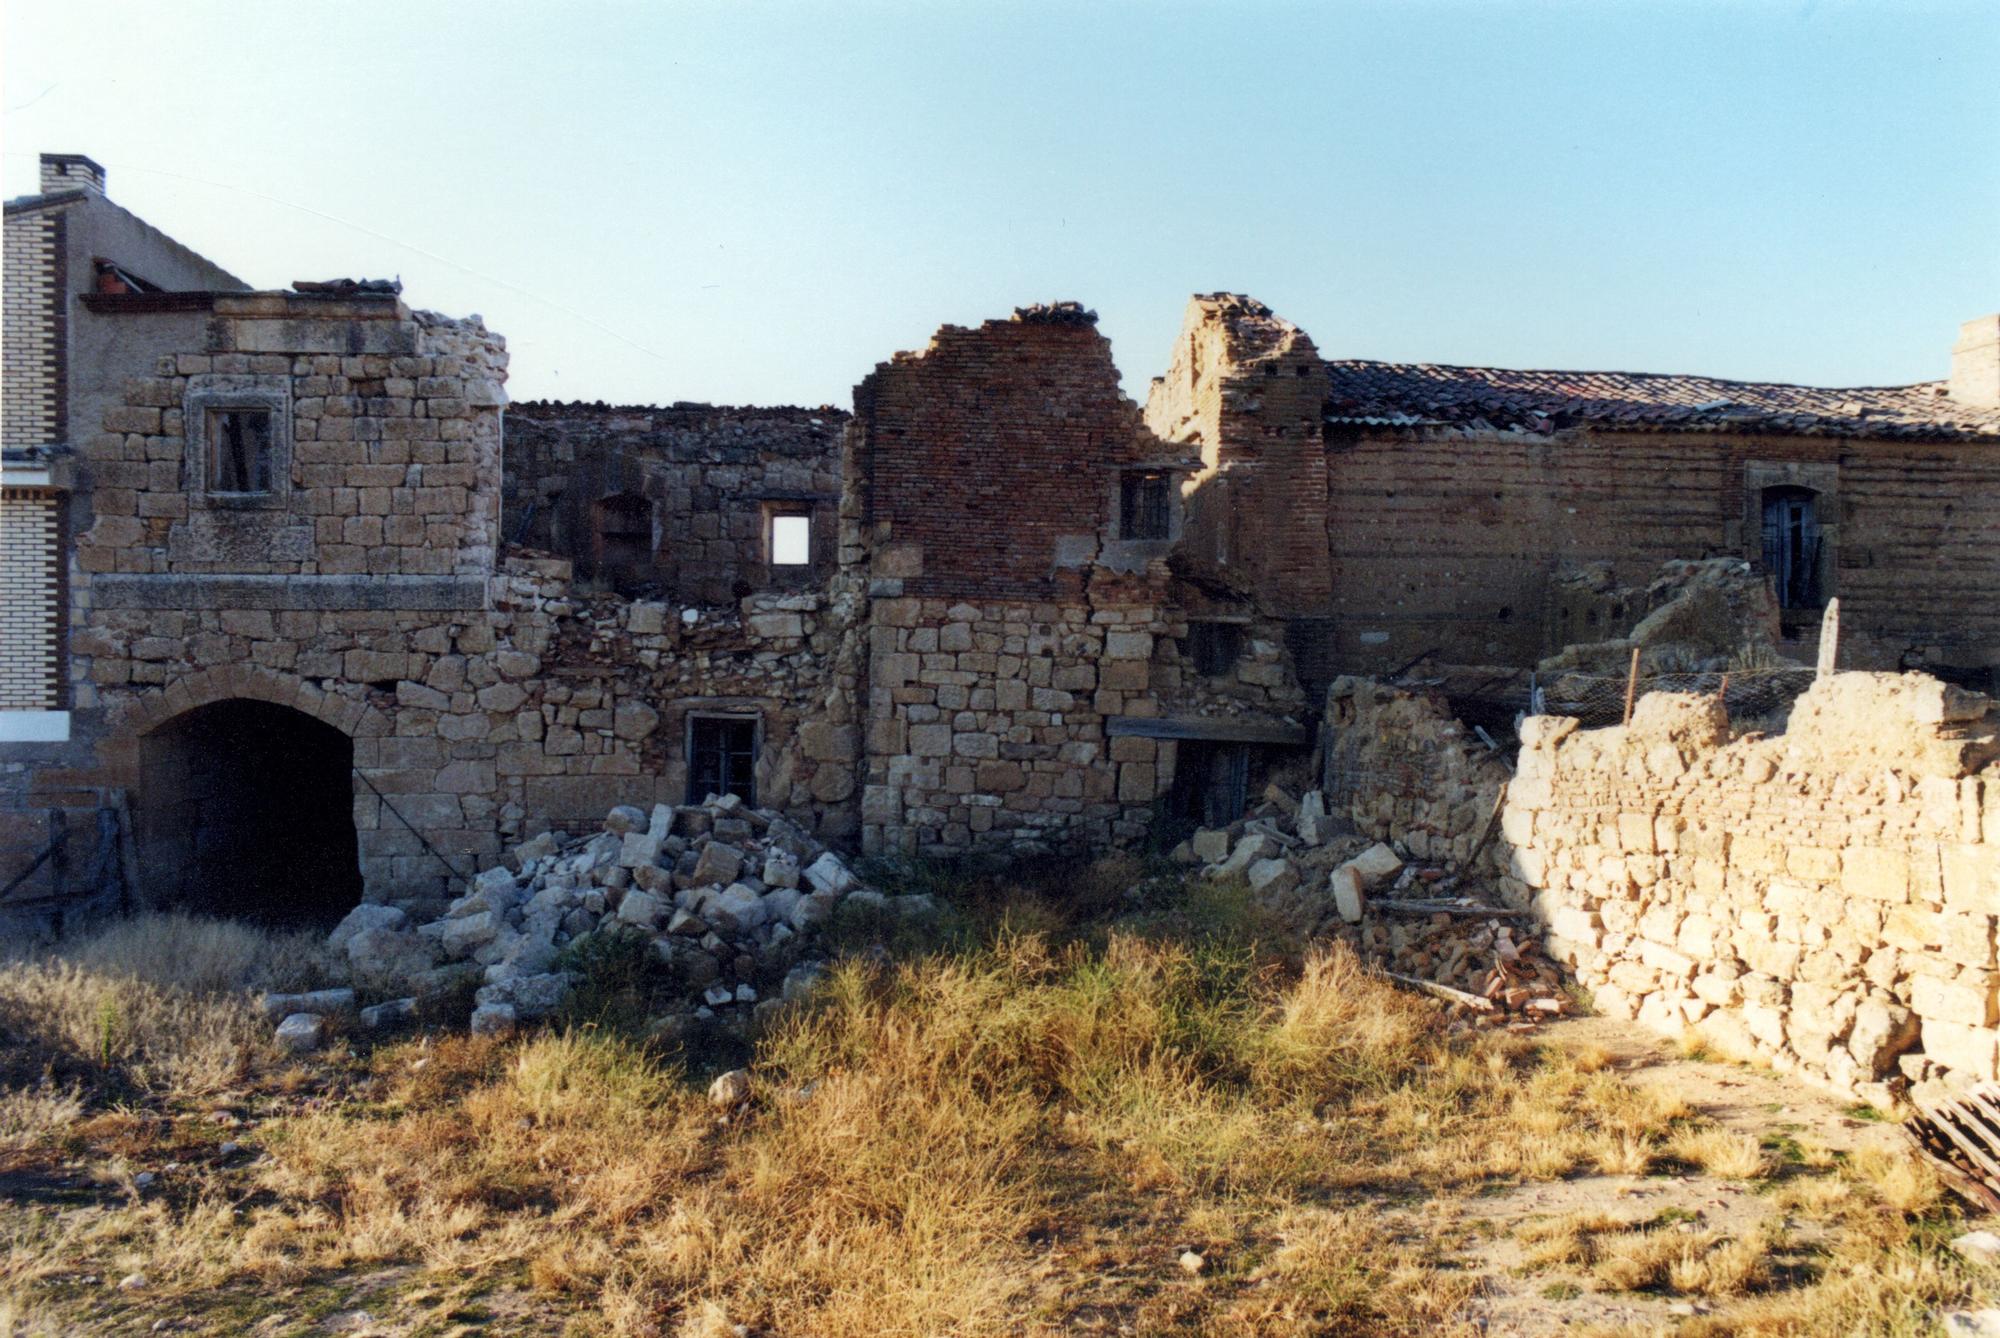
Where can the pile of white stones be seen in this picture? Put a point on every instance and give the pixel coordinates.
(731, 897)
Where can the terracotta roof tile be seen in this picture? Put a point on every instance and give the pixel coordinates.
(1429, 394)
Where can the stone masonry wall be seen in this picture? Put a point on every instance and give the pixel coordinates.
(708, 474)
(1824, 901)
(1011, 622)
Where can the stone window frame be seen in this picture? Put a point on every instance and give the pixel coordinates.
(211, 394)
(769, 509)
(1822, 479)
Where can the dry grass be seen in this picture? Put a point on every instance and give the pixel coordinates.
(1016, 1137)
(157, 1004)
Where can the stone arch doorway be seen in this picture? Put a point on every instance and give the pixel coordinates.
(245, 808)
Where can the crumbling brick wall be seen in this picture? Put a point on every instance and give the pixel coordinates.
(709, 477)
(1245, 390)
(1824, 900)
(983, 492)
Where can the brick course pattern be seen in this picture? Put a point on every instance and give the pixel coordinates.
(30, 372)
(30, 613)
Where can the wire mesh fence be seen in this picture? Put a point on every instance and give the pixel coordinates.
(1495, 698)
(1746, 694)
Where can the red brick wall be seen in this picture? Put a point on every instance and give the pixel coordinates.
(991, 446)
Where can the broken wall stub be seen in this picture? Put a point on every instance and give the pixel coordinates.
(1245, 391)
(676, 500)
(1402, 769)
(1824, 901)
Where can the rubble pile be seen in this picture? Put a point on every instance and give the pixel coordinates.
(1419, 924)
(731, 897)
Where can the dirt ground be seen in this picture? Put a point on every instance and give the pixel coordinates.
(1753, 1101)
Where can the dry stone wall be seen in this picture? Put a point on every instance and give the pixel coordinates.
(1823, 900)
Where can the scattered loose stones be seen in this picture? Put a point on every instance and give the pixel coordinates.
(732, 898)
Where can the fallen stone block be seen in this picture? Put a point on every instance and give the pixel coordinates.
(1376, 865)
(718, 863)
(301, 1032)
(393, 1013)
(495, 1019)
(828, 874)
(362, 917)
(276, 1006)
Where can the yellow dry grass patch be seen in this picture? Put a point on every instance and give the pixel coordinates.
(1019, 1137)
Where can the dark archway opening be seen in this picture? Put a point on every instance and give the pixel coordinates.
(246, 809)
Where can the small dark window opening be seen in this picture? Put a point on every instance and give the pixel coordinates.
(1211, 784)
(1215, 647)
(1144, 510)
(722, 758)
(624, 534)
(1792, 547)
(239, 450)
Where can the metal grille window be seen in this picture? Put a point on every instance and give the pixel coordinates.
(1792, 547)
(722, 757)
(1144, 509)
(239, 450)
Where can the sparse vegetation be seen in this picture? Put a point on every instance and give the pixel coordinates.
(1028, 1127)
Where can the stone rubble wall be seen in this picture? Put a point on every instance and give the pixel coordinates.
(1401, 769)
(707, 470)
(1823, 901)
(986, 725)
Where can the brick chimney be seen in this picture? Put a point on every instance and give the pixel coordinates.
(70, 171)
(1975, 363)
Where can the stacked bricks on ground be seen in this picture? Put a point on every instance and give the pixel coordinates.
(705, 476)
(731, 897)
(1823, 900)
(1010, 618)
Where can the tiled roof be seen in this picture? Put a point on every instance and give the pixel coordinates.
(1398, 394)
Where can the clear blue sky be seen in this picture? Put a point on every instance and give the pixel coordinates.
(757, 202)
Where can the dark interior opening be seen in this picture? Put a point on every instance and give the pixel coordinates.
(1211, 784)
(722, 757)
(246, 809)
(1792, 548)
(1215, 647)
(1144, 506)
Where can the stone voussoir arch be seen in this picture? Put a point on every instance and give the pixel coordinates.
(237, 682)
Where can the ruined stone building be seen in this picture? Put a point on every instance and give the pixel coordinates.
(296, 613)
